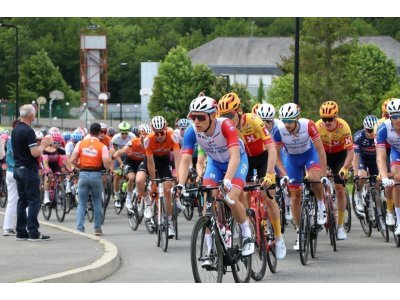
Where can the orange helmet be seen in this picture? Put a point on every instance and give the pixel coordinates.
(228, 103)
(255, 108)
(329, 109)
(384, 105)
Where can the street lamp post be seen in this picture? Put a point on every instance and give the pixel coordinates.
(135, 112)
(16, 67)
(120, 107)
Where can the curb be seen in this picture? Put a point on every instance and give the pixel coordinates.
(107, 264)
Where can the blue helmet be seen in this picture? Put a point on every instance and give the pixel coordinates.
(76, 137)
(66, 136)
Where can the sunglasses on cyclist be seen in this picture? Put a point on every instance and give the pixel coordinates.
(327, 119)
(288, 121)
(230, 115)
(159, 133)
(268, 121)
(124, 133)
(395, 117)
(201, 118)
(369, 130)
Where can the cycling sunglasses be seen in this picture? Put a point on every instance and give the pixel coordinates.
(327, 119)
(369, 130)
(230, 115)
(159, 133)
(268, 121)
(201, 118)
(288, 121)
(395, 117)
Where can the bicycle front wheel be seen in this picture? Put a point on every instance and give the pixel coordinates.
(206, 259)
(3, 191)
(259, 259)
(163, 226)
(60, 202)
(331, 223)
(304, 233)
(89, 209)
(347, 217)
(241, 269)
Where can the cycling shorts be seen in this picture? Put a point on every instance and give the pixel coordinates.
(131, 166)
(162, 166)
(368, 165)
(215, 172)
(258, 163)
(335, 162)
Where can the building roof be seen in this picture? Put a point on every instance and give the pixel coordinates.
(266, 52)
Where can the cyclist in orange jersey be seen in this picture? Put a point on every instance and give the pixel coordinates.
(158, 146)
(261, 153)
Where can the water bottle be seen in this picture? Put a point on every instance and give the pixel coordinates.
(124, 186)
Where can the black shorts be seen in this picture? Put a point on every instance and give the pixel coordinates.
(335, 162)
(258, 163)
(162, 165)
(55, 167)
(131, 165)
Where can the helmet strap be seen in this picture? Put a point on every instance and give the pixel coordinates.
(209, 122)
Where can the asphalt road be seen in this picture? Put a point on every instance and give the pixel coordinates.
(359, 259)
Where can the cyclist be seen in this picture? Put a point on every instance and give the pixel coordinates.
(365, 158)
(389, 132)
(255, 108)
(54, 159)
(103, 137)
(266, 112)
(111, 132)
(183, 124)
(118, 142)
(158, 146)
(226, 154)
(390, 221)
(134, 155)
(301, 139)
(66, 135)
(261, 153)
(69, 148)
(336, 137)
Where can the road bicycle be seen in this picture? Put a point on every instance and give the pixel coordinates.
(71, 198)
(123, 186)
(216, 241)
(107, 192)
(374, 202)
(263, 234)
(331, 212)
(56, 195)
(281, 193)
(194, 199)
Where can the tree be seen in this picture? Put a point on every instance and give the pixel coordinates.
(260, 92)
(39, 76)
(202, 80)
(171, 93)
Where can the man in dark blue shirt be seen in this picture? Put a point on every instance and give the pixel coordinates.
(26, 173)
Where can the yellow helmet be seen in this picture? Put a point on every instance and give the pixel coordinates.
(255, 108)
(384, 105)
(329, 109)
(228, 103)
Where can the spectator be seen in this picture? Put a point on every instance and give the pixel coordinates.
(26, 174)
(92, 154)
(12, 193)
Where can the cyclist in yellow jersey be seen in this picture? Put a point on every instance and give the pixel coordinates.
(338, 144)
(388, 189)
(261, 153)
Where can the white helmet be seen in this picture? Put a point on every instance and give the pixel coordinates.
(203, 104)
(158, 123)
(103, 126)
(393, 107)
(39, 135)
(145, 128)
(183, 123)
(289, 111)
(370, 121)
(54, 130)
(266, 111)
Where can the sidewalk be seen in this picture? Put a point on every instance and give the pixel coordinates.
(69, 256)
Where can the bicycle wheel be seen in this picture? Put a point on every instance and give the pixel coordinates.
(46, 210)
(314, 226)
(151, 224)
(163, 226)
(133, 215)
(259, 259)
(241, 268)
(60, 202)
(384, 229)
(331, 223)
(304, 233)
(280, 200)
(189, 208)
(366, 224)
(122, 197)
(347, 217)
(89, 209)
(271, 252)
(199, 253)
(68, 202)
(175, 214)
(3, 191)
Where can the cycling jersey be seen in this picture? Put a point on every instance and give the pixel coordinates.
(254, 134)
(153, 147)
(301, 141)
(380, 121)
(336, 140)
(135, 150)
(91, 153)
(106, 140)
(69, 148)
(215, 146)
(364, 146)
(119, 142)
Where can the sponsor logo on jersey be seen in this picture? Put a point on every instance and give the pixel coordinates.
(89, 152)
